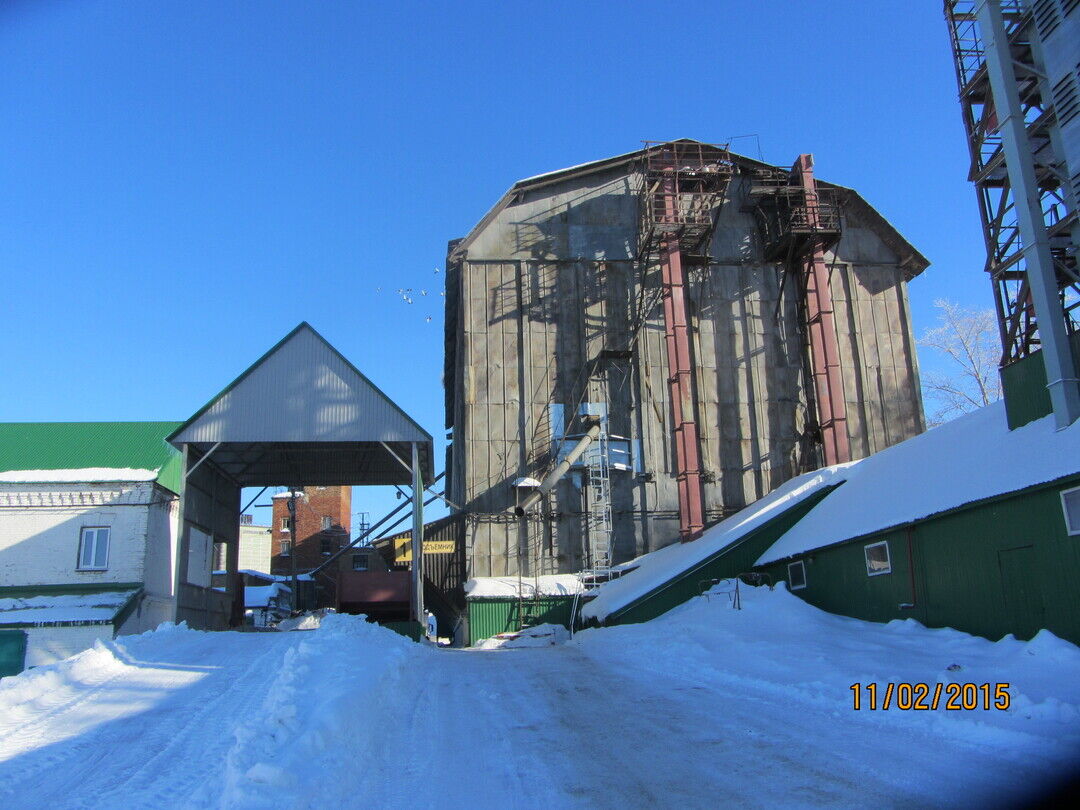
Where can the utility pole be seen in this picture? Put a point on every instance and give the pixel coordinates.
(292, 547)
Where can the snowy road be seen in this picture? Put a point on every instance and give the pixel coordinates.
(704, 708)
(138, 731)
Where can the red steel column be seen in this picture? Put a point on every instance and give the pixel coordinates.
(681, 389)
(824, 351)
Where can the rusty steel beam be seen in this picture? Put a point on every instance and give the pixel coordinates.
(681, 388)
(821, 326)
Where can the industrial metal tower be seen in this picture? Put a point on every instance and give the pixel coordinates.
(1016, 68)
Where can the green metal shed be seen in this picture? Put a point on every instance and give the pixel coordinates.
(1001, 565)
(489, 616)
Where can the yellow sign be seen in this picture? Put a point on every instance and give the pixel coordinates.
(403, 548)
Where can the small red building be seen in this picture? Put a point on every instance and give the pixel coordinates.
(365, 584)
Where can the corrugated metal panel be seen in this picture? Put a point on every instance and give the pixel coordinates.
(444, 568)
(489, 617)
(1024, 386)
(1001, 566)
(303, 390)
(80, 445)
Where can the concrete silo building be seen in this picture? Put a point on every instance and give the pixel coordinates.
(691, 327)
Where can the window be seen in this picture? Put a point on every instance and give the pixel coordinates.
(1070, 505)
(325, 544)
(94, 548)
(327, 522)
(286, 548)
(286, 524)
(877, 559)
(359, 562)
(796, 575)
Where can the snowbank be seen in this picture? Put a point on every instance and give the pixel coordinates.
(310, 733)
(791, 665)
(501, 587)
(543, 635)
(89, 474)
(973, 457)
(654, 569)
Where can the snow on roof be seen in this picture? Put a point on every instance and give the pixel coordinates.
(85, 474)
(261, 595)
(501, 587)
(54, 608)
(973, 457)
(657, 567)
(299, 494)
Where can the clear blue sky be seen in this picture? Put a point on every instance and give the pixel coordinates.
(181, 183)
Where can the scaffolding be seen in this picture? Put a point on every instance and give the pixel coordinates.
(799, 222)
(1006, 262)
(683, 185)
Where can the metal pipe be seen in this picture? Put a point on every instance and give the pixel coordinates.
(561, 469)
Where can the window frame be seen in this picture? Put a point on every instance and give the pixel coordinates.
(82, 540)
(327, 523)
(285, 549)
(801, 565)
(286, 524)
(364, 557)
(1070, 531)
(888, 557)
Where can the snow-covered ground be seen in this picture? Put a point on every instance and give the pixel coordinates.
(704, 707)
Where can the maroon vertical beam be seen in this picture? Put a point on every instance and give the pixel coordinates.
(681, 389)
(821, 325)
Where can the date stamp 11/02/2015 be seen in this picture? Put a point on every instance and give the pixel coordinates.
(954, 697)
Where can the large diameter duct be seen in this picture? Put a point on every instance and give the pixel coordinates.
(555, 475)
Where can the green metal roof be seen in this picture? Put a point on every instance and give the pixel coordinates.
(83, 445)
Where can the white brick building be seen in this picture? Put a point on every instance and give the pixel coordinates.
(88, 516)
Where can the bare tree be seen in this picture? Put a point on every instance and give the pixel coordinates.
(969, 340)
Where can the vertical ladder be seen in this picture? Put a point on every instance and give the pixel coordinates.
(598, 472)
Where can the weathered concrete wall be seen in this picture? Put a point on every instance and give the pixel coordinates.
(551, 281)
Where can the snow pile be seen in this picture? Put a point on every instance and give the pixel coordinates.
(782, 670)
(310, 733)
(652, 570)
(513, 587)
(973, 457)
(62, 607)
(77, 476)
(309, 621)
(543, 635)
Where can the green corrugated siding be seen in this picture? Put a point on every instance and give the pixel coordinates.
(12, 652)
(1024, 385)
(735, 559)
(1001, 566)
(489, 617)
(80, 445)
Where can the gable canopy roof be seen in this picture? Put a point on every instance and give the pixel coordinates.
(304, 415)
(911, 259)
(89, 451)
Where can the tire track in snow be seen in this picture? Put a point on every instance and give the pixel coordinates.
(107, 759)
